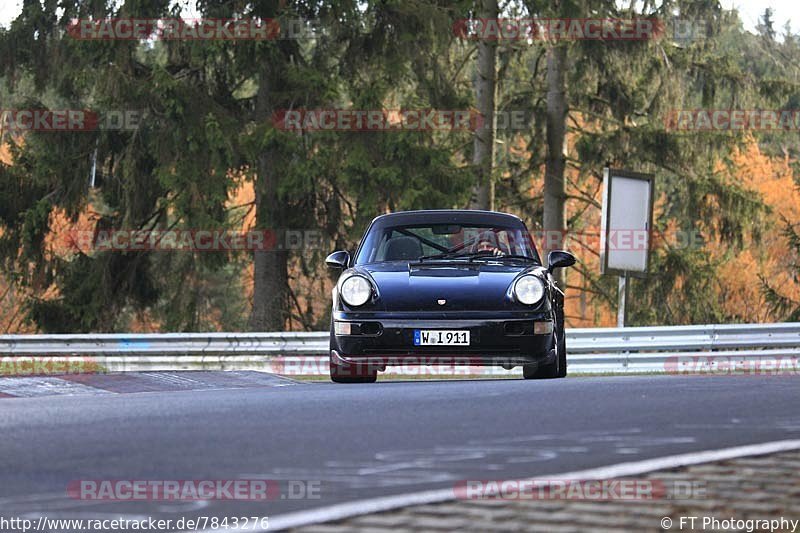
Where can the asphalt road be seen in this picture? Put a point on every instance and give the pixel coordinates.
(357, 441)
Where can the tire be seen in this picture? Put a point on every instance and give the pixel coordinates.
(562, 353)
(536, 371)
(556, 369)
(347, 373)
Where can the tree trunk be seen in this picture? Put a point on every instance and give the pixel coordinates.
(555, 163)
(270, 272)
(485, 84)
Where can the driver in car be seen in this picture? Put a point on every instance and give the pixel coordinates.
(487, 242)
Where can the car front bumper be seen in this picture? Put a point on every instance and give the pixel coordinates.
(505, 339)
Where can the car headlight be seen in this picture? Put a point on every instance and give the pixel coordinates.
(356, 290)
(529, 289)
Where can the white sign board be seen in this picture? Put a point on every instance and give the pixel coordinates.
(626, 222)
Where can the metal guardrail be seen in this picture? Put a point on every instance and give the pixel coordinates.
(644, 349)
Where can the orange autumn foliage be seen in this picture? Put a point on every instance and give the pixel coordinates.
(5, 154)
(740, 293)
(771, 178)
(10, 299)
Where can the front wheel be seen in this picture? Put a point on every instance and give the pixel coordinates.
(562, 354)
(536, 371)
(556, 369)
(357, 373)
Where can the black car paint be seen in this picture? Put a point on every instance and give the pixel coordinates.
(446, 294)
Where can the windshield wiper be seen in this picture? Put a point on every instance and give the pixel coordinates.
(456, 254)
(514, 256)
(443, 255)
(492, 257)
(485, 254)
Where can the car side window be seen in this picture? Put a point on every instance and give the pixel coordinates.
(379, 254)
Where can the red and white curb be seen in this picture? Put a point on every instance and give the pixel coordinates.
(133, 382)
(29, 387)
(376, 505)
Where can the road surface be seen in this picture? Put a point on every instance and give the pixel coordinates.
(349, 442)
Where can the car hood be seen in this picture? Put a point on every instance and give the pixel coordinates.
(476, 286)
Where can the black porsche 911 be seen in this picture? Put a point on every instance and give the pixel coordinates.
(447, 287)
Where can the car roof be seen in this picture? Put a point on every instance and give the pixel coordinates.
(449, 216)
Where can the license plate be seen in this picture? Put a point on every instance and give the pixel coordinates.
(431, 337)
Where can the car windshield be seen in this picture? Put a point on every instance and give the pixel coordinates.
(445, 241)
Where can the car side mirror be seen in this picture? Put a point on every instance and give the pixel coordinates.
(559, 259)
(338, 259)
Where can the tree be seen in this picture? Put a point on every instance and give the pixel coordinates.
(207, 132)
(780, 304)
(170, 172)
(485, 84)
(766, 26)
(617, 99)
(556, 161)
(209, 126)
